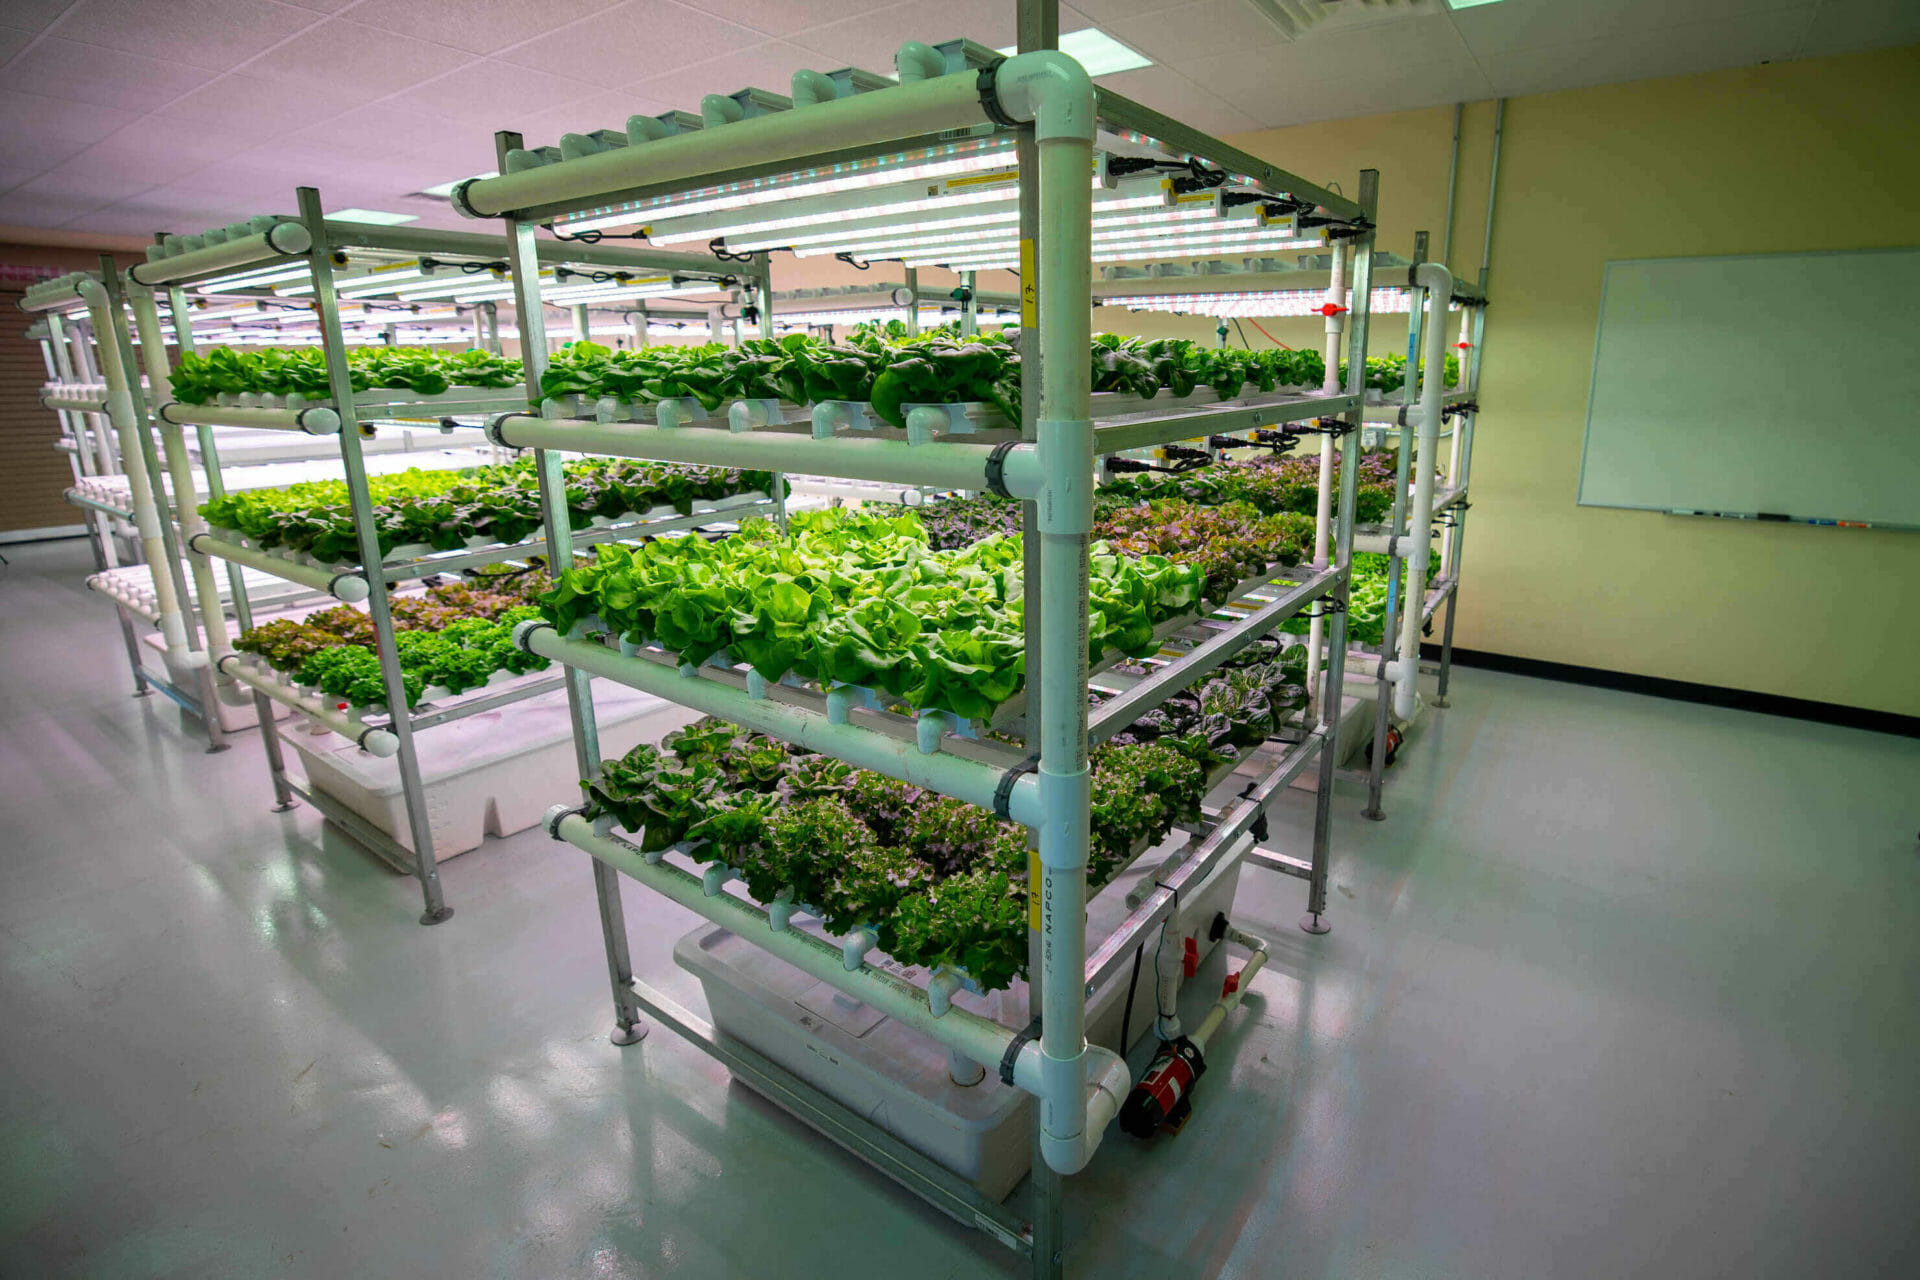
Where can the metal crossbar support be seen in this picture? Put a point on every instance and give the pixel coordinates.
(523, 252)
(340, 383)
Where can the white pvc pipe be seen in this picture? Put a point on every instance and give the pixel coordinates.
(1053, 90)
(935, 465)
(186, 501)
(1438, 283)
(1229, 1001)
(284, 240)
(314, 421)
(146, 515)
(350, 586)
(951, 775)
(378, 742)
(880, 116)
(1323, 507)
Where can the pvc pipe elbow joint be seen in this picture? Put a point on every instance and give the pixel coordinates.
(1050, 89)
(1099, 1082)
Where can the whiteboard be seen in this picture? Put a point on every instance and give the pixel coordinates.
(1783, 384)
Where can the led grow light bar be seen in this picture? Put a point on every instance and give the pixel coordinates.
(927, 316)
(1004, 258)
(936, 162)
(1103, 228)
(833, 239)
(1266, 302)
(257, 277)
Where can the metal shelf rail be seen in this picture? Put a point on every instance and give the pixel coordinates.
(308, 255)
(1038, 116)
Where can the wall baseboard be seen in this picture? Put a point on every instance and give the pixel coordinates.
(44, 534)
(1711, 695)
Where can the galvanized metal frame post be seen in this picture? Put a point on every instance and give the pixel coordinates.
(340, 382)
(523, 258)
(210, 460)
(1358, 317)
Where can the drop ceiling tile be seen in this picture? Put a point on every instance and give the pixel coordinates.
(871, 40)
(487, 95)
(34, 15)
(1661, 51)
(1531, 24)
(379, 128)
(215, 34)
(118, 171)
(250, 107)
(779, 17)
(1846, 26)
(765, 66)
(341, 63)
(1172, 94)
(95, 180)
(42, 209)
(105, 77)
(479, 26)
(183, 146)
(1195, 31)
(41, 132)
(623, 43)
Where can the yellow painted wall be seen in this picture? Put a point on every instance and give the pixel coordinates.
(1802, 155)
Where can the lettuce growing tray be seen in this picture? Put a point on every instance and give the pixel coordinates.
(628, 523)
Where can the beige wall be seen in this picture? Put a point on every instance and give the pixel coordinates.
(1820, 153)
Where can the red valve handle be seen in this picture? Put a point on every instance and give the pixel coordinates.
(1329, 308)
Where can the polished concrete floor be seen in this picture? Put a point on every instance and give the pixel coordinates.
(1622, 987)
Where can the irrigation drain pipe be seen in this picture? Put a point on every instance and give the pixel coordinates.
(1335, 309)
(1405, 669)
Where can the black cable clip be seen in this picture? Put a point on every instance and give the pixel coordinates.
(987, 84)
(1014, 1046)
(1258, 829)
(1003, 794)
(1328, 607)
(852, 261)
(997, 468)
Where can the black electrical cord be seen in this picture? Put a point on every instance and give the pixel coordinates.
(1242, 332)
(851, 261)
(1126, 1017)
(592, 237)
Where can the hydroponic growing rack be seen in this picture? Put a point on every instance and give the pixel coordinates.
(1429, 490)
(309, 255)
(827, 154)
